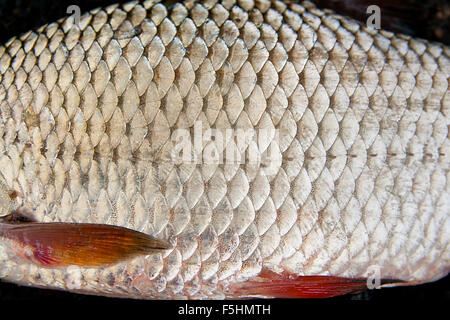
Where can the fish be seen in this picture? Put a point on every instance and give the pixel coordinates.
(222, 149)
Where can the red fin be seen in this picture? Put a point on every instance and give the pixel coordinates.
(63, 244)
(44, 257)
(270, 284)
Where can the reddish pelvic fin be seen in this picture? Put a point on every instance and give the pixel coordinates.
(273, 285)
(82, 244)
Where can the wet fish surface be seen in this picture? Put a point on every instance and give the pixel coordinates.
(329, 160)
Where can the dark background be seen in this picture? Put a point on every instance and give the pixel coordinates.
(428, 19)
(424, 19)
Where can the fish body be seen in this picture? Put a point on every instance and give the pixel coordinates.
(269, 144)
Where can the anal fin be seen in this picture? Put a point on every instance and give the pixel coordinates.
(273, 285)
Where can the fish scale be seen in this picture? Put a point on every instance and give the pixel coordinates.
(88, 113)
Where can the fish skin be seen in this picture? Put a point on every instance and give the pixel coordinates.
(360, 184)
